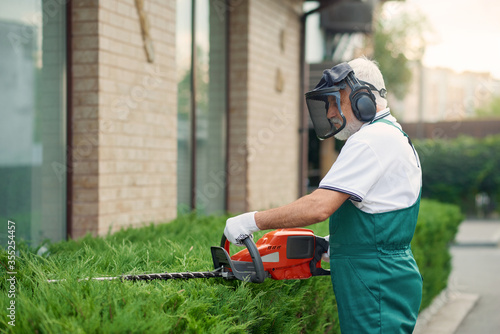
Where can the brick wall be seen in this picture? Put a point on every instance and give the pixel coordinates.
(273, 111)
(85, 115)
(124, 110)
(125, 116)
(264, 101)
(238, 105)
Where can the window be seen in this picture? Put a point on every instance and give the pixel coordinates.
(201, 64)
(32, 130)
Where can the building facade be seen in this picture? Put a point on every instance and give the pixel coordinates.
(120, 113)
(441, 94)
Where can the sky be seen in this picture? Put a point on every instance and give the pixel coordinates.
(466, 34)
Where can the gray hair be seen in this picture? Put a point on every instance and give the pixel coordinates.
(367, 70)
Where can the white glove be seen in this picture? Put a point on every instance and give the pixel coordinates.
(326, 256)
(240, 227)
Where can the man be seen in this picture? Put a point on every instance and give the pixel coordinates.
(372, 196)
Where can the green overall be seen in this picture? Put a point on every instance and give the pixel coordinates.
(376, 281)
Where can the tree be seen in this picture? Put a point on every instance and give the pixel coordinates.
(491, 110)
(399, 38)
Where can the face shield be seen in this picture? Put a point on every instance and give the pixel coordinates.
(318, 103)
(319, 100)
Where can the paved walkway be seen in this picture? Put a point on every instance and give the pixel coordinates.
(471, 304)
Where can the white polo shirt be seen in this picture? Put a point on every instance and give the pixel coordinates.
(378, 167)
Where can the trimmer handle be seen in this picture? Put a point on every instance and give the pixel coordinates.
(260, 275)
(315, 266)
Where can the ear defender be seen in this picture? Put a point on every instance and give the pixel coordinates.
(362, 99)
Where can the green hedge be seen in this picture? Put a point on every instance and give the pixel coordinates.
(186, 306)
(456, 170)
(436, 229)
(176, 306)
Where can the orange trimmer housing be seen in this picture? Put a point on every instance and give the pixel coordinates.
(288, 254)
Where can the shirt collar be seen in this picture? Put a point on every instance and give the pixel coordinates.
(384, 113)
(381, 114)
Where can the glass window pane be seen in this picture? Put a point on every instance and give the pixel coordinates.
(32, 131)
(183, 62)
(210, 104)
(210, 107)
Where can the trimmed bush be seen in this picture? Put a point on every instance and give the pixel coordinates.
(175, 306)
(186, 306)
(436, 229)
(456, 170)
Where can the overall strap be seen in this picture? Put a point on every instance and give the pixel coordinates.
(383, 120)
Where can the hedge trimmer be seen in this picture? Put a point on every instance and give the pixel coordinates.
(280, 254)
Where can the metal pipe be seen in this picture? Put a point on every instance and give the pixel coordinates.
(69, 121)
(193, 107)
(228, 71)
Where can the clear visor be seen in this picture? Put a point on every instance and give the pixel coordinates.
(318, 104)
